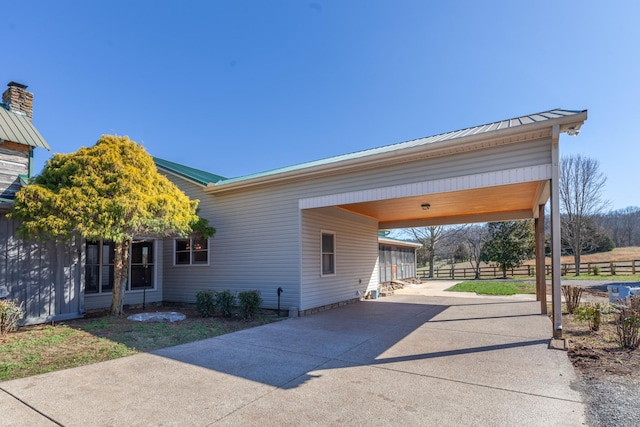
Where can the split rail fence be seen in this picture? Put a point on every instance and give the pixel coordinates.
(620, 268)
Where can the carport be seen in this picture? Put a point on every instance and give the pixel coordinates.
(506, 170)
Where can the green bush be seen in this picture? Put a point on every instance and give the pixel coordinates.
(250, 302)
(10, 314)
(596, 270)
(224, 302)
(628, 323)
(592, 313)
(205, 303)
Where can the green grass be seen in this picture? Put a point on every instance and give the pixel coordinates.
(494, 287)
(40, 349)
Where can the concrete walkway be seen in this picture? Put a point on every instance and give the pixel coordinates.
(402, 360)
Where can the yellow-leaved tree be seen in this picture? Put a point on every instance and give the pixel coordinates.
(110, 191)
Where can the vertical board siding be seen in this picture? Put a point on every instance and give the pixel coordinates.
(45, 276)
(356, 259)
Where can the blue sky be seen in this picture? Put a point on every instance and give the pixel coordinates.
(238, 87)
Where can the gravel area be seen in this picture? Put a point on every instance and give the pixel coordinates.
(611, 400)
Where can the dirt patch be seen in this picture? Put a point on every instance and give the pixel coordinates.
(609, 375)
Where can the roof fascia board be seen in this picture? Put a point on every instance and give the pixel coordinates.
(395, 242)
(453, 220)
(525, 132)
(184, 178)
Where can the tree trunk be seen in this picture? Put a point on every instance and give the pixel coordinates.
(576, 262)
(121, 274)
(504, 273)
(432, 256)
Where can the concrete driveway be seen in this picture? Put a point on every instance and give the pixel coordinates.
(402, 360)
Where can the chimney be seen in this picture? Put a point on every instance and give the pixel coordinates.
(18, 99)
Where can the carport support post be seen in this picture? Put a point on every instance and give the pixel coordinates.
(555, 232)
(541, 282)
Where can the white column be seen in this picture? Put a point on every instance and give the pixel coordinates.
(555, 232)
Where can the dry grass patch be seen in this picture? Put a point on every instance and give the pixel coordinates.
(98, 337)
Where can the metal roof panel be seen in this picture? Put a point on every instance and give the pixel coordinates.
(16, 127)
(193, 174)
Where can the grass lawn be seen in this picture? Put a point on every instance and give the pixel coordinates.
(44, 348)
(494, 287)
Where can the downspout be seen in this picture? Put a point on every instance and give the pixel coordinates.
(555, 232)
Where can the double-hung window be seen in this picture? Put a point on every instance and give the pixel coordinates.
(191, 251)
(328, 253)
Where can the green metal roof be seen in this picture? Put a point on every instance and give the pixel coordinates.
(16, 127)
(196, 175)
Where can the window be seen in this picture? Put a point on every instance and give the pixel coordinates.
(191, 252)
(99, 262)
(328, 253)
(141, 269)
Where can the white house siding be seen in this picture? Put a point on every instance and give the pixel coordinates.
(258, 240)
(98, 301)
(531, 153)
(256, 246)
(356, 257)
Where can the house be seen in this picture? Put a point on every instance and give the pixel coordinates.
(397, 258)
(312, 229)
(46, 277)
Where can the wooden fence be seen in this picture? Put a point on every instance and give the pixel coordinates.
(620, 268)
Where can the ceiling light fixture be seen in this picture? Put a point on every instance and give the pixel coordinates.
(425, 206)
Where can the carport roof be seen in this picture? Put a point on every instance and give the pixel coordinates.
(568, 120)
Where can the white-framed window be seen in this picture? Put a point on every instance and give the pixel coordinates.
(191, 251)
(327, 253)
(99, 266)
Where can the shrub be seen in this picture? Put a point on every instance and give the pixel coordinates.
(250, 302)
(596, 270)
(224, 302)
(10, 314)
(591, 313)
(205, 303)
(628, 323)
(572, 295)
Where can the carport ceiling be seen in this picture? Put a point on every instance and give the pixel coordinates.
(499, 203)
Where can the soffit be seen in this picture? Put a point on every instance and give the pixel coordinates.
(515, 201)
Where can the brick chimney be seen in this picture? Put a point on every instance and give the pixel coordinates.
(18, 99)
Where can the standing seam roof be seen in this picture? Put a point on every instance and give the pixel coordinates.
(205, 178)
(16, 127)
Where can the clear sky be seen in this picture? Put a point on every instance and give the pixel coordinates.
(237, 87)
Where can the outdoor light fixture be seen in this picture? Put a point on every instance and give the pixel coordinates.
(425, 206)
(573, 131)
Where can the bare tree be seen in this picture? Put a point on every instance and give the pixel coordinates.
(581, 186)
(430, 237)
(474, 238)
